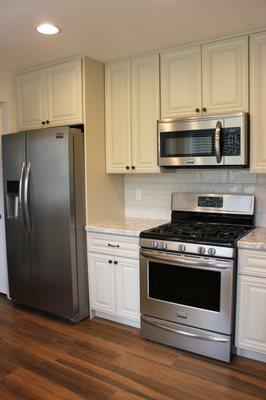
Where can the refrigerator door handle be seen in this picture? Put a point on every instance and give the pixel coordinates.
(26, 198)
(21, 203)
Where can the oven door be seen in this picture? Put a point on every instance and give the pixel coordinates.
(191, 290)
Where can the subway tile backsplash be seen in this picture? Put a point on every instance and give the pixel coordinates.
(156, 189)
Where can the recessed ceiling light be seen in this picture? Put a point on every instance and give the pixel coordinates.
(47, 29)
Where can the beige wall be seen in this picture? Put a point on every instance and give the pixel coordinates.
(104, 192)
(8, 100)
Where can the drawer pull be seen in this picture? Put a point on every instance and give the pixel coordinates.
(113, 245)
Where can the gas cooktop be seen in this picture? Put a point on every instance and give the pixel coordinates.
(193, 231)
(203, 224)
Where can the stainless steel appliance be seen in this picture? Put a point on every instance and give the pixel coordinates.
(220, 140)
(44, 194)
(188, 273)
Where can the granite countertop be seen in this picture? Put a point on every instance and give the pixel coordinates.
(255, 240)
(127, 226)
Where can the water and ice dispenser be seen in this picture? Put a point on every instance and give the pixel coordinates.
(12, 200)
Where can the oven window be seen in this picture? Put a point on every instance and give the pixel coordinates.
(187, 286)
(197, 143)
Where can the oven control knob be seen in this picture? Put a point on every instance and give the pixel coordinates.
(211, 251)
(164, 246)
(201, 250)
(181, 247)
(154, 244)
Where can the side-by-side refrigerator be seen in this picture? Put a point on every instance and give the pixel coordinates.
(44, 192)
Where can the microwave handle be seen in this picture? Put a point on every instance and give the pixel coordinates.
(218, 154)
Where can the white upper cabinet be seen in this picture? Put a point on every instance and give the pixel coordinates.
(225, 76)
(118, 129)
(181, 82)
(64, 93)
(207, 79)
(31, 99)
(145, 112)
(132, 110)
(258, 102)
(50, 96)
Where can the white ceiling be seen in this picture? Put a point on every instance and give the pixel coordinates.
(110, 29)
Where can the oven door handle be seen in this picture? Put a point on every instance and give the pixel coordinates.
(183, 262)
(183, 333)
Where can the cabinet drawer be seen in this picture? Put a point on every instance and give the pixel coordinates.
(252, 262)
(117, 245)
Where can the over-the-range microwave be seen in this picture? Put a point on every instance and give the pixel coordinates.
(209, 141)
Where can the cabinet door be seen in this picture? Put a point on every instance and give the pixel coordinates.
(181, 82)
(31, 99)
(64, 93)
(101, 283)
(145, 112)
(127, 288)
(225, 76)
(251, 315)
(118, 129)
(258, 101)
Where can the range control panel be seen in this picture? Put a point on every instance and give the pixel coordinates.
(187, 248)
(214, 202)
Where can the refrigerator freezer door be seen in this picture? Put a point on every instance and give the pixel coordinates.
(18, 245)
(51, 206)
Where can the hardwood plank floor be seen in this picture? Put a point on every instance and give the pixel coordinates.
(43, 358)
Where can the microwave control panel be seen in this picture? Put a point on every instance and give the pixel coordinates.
(231, 143)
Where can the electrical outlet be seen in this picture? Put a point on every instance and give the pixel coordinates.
(138, 194)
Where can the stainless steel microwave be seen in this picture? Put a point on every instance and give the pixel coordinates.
(211, 141)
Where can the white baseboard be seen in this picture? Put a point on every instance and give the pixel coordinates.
(115, 318)
(251, 354)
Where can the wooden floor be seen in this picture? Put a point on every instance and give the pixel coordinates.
(43, 358)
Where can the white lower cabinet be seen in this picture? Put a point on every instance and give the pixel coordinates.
(114, 280)
(102, 283)
(252, 313)
(127, 288)
(251, 306)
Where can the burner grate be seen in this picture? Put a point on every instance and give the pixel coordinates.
(210, 232)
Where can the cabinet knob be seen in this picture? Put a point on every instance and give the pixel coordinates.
(204, 109)
(110, 261)
(115, 262)
(133, 167)
(197, 110)
(127, 167)
(47, 121)
(43, 122)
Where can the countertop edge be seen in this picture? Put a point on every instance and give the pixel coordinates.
(113, 231)
(254, 240)
(129, 226)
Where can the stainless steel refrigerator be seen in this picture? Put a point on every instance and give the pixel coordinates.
(44, 192)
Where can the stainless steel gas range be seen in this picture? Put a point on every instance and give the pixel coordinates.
(188, 273)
